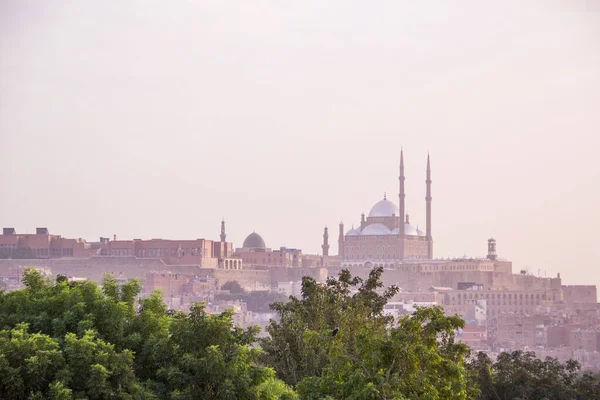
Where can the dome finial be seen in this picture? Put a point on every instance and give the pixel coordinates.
(384, 195)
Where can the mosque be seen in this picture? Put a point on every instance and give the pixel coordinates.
(386, 234)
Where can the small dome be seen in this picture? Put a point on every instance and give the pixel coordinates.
(420, 232)
(353, 232)
(254, 241)
(410, 230)
(383, 208)
(396, 231)
(376, 229)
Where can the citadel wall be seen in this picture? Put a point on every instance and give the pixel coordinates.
(94, 268)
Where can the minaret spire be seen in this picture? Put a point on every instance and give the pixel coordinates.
(325, 245)
(341, 241)
(428, 209)
(401, 195)
(223, 235)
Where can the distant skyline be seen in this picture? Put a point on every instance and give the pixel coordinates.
(145, 120)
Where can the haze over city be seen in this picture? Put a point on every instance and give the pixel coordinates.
(146, 120)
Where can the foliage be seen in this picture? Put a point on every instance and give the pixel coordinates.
(370, 357)
(79, 340)
(64, 340)
(275, 389)
(520, 375)
(38, 366)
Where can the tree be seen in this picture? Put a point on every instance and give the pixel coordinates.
(520, 375)
(370, 357)
(275, 389)
(417, 358)
(211, 358)
(234, 287)
(97, 342)
(299, 344)
(38, 366)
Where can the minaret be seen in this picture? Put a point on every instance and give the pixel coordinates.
(401, 195)
(325, 245)
(223, 237)
(341, 241)
(428, 206)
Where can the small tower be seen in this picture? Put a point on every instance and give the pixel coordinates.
(492, 250)
(341, 241)
(325, 245)
(428, 234)
(223, 235)
(401, 194)
(362, 221)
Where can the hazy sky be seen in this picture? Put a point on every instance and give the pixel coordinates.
(155, 119)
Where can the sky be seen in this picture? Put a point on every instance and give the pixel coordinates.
(146, 120)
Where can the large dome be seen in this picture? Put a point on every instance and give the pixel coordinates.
(254, 241)
(376, 229)
(384, 208)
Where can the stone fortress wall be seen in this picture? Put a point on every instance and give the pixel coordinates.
(94, 268)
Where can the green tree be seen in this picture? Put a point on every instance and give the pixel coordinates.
(210, 358)
(520, 375)
(298, 345)
(38, 366)
(95, 341)
(370, 356)
(415, 359)
(275, 389)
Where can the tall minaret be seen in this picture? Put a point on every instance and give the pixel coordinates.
(223, 235)
(428, 218)
(341, 241)
(401, 195)
(325, 245)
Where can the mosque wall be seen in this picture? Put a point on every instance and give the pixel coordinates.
(416, 247)
(373, 248)
(385, 247)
